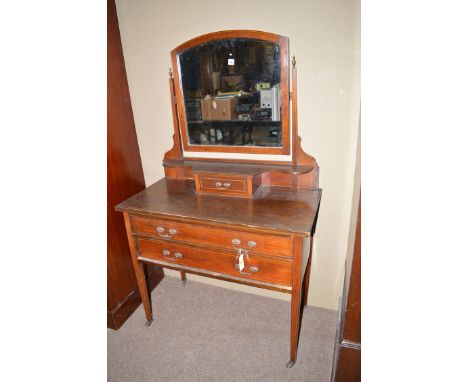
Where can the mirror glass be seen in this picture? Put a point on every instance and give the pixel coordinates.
(232, 93)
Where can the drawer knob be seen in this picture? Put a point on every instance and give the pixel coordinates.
(222, 186)
(167, 255)
(251, 269)
(160, 231)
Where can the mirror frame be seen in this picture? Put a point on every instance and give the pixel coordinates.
(283, 42)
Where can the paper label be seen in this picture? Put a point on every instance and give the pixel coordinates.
(230, 61)
(241, 262)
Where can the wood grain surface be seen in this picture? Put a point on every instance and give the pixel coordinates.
(272, 270)
(271, 245)
(278, 209)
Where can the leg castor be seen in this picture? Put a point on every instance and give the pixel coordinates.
(148, 323)
(290, 364)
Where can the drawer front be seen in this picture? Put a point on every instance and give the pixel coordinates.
(221, 184)
(258, 268)
(275, 246)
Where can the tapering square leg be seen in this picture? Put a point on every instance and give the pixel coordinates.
(183, 277)
(140, 274)
(296, 299)
(305, 282)
(295, 324)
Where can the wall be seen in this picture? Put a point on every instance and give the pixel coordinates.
(355, 202)
(325, 37)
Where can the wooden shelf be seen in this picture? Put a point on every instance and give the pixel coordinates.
(238, 168)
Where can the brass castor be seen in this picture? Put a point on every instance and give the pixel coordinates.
(290, 364)
(148, 323)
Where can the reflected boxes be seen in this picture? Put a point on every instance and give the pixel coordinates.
(219, 109)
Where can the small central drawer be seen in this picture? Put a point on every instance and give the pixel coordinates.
(226, 184)
(271, 245)
(259, 268)
(214, 183)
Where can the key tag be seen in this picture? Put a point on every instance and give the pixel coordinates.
(241, 261)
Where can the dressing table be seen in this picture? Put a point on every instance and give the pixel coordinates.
(240, 198)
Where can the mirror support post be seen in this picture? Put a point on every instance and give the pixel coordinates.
(294, 132)
(176, 151)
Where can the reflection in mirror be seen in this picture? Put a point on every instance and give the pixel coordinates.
(232, 93)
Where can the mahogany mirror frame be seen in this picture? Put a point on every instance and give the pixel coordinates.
(181, 126)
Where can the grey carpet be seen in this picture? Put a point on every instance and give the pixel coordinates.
(205, 333)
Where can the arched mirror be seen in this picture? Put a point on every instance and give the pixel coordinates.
(232, 92)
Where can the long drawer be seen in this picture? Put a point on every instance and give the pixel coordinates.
(257, 267)
(271, 245)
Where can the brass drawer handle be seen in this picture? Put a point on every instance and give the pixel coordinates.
(222, 186)
(160, 231)
(252, 270)
(250, 243)
(167, 255)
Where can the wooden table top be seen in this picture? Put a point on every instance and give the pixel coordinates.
(272, 208)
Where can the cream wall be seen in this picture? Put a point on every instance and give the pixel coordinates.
(354, 205)
(325, 37)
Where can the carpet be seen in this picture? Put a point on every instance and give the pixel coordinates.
(206, 333)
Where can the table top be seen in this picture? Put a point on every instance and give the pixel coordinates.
(273, 208)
